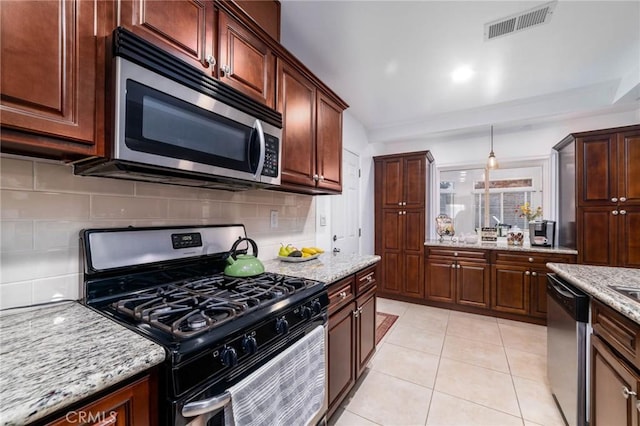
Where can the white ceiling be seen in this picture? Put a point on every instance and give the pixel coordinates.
(391, 61)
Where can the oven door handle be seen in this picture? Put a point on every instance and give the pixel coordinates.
(205, 406)
(258, 127)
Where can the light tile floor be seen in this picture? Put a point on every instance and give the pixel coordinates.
(441, 367)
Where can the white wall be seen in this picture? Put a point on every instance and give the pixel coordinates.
(44, 206)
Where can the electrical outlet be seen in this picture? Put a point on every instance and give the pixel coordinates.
(274, 218)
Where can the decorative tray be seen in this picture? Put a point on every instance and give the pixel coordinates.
(298, 259)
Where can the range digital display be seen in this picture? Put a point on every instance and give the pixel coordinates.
(191, 239)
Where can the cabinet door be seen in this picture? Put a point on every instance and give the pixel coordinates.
(329, 144)
(342, 354)
(628, 236)
(414, 182)
(597, 229)
(297, 103)
(597, 170)
(510, 289)
(413, 253)
(184, 28)
(246, 62)
(629, 168)
(440, 280)
(391, 251)
(539, 292)
(366, 336)
(48, 76)
(609, 377)
(472, 279)
(128, 406)
(391, 182)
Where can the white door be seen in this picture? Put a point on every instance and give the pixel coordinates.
(345, 208)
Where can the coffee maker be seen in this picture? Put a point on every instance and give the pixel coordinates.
(542, 233)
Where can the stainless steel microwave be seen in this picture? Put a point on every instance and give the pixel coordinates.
(174, 124)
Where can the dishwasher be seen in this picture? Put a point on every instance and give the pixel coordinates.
(567, 349)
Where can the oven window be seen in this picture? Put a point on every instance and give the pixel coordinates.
(160, 124)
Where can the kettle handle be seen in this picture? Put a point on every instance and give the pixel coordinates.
(254, 247)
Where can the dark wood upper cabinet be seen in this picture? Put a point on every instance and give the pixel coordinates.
(312, 133)
(52, 77)
(184, 28)
(246, 62)
(598, 204)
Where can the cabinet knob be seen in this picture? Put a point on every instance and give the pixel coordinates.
(638, 405)
(623, 212)
(404, 203)
(458, 266)
(527, 273)
(623, 199)
(343, 295)
(455, 253)
(531, 260)
(626, 393)
(615, 212)
(211, 60)
(321, 177)
(535, 274)
(360, 310)
(614, 200)
(316, 177)
(224, 69)
(399, 203)
(453, 265)
(369, 278)
(355, 313)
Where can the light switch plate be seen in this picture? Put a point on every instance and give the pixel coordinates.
(274, 218)
(323, 220)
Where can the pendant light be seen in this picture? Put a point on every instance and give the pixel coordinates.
(492, 162)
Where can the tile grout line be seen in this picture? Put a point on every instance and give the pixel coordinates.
(435, 380)
(513, 383)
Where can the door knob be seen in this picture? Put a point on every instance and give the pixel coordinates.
(336, 250)
(335, 238)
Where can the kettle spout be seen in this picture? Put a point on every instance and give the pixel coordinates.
(231, 260)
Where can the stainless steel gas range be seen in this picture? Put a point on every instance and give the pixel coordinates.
(220, 333)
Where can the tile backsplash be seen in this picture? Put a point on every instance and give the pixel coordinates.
(43, 206)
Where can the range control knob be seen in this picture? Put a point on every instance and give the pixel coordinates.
(229, 356)
(305, 312)
(282, 326)
(316, 307)
(249, 345)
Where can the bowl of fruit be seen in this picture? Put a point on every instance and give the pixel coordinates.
(289, 253)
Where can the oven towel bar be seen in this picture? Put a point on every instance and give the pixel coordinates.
(289, 390)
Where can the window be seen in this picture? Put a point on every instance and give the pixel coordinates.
(462, 195)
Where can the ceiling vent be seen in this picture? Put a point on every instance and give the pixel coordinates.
(520, 21)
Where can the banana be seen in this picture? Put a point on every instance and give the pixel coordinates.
(310, 250)
(318, 250)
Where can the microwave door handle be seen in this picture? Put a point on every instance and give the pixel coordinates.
(258, 127)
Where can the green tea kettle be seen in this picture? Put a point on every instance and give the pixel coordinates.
(243, 265)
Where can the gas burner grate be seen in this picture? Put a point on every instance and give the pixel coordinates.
(191, 307)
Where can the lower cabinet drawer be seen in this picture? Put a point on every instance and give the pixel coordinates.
(340, 294)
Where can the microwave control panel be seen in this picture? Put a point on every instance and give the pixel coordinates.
(271, 156)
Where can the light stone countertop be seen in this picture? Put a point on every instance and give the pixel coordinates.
(597, 281)
(54, 356)
(500, 245)
(328, 267)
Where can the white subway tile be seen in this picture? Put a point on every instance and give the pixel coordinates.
(187, 209)
(51, 234)
(15, 294)
(43, 205)
(39, 264)
(104, 206)
(16, 174)
(16, 235)
(57, 288)
(146, 189)
(239, 211)
(60, 177)
(258, 196)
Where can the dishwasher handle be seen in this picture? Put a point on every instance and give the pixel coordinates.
(571, 299)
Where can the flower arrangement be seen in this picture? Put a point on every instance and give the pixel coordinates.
(525, 211)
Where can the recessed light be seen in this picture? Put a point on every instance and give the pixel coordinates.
(462, 74)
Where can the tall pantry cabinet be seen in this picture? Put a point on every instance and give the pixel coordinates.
(599, 176)
(400, 215)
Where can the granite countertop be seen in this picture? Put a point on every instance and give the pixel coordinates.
(500, 245)
(597, 281)
(328, 267)
(54, 356)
